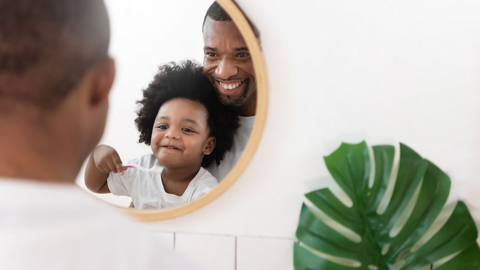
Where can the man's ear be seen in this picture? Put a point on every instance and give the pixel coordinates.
(103, 76)
(209, 146)
(96, 89)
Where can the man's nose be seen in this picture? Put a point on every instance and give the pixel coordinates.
(226, 69)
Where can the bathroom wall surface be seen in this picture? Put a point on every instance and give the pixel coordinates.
(340, 71)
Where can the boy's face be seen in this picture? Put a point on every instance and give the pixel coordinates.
(180, 134)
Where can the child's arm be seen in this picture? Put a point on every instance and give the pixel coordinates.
(103, 160)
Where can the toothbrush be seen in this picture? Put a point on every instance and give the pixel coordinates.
(157, 169)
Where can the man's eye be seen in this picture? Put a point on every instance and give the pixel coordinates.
(188, 130)
(163, 127)
(242, 55)
(210, 54)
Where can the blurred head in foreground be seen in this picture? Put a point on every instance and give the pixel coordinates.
(55, 76)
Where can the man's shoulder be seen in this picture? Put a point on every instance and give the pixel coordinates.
(63, 227)
(246, 122)
(56, 203)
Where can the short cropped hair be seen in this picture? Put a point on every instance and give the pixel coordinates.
(46, 47)
(187, 80)
(216, 13)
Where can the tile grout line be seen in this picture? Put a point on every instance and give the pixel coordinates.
(235, 253)
(228, 235)
(174, 240)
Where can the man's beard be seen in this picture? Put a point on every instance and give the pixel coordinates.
(234, 102)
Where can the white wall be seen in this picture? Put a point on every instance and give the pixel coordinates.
(343, 70)
(380, 71)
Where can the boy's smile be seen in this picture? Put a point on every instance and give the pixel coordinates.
(180, 134)
(171, 147)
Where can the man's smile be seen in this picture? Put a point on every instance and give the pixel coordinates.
(229, 87)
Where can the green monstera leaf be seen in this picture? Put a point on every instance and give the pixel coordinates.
(419, 195)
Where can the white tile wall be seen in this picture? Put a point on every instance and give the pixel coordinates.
(213, 252)
(166, 239)
(206, 251)
(264, 254)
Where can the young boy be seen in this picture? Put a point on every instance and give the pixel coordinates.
(187, 128)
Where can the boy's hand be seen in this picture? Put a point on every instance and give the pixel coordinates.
(107, 159)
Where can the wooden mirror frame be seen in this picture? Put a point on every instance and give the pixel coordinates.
(261, 114)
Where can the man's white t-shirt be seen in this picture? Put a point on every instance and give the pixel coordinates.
(146, 188)
(240, 140)
(59, 226)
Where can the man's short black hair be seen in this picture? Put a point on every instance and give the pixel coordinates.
(187, 80)
(46, 46)
(216, 13)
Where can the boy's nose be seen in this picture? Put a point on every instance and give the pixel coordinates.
(171, 136)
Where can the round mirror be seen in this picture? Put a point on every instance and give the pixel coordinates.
(150, 34)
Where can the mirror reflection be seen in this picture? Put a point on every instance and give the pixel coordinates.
(178, 121)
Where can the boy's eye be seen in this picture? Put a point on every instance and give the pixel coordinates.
(188, 130)
(163, 127)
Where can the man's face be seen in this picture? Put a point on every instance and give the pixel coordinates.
(227, 63)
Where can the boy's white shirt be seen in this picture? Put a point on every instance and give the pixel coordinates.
(146, 188)
(240, 140)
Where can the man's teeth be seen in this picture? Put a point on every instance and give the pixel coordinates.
(230, 86)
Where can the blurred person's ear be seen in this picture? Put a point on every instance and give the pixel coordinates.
(98, 82)
(103, 75)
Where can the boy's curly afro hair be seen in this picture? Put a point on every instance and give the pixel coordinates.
(187, 80)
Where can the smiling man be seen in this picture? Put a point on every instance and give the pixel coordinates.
(229, 67)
